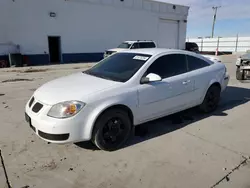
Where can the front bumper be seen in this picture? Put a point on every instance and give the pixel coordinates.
(47, 136)
(57, 130)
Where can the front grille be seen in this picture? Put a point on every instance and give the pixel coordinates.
(31, 101)
(54, 137)
(37, 107)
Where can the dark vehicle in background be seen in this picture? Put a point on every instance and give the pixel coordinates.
(192, 47)
(243, 67)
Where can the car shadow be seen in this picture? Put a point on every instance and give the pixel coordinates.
(231, 98)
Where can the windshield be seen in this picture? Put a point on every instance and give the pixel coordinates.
(124, 45)
(119, 67)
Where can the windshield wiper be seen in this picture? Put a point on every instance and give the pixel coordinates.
(101, 76)
(105, 77)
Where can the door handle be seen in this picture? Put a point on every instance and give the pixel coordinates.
(186, 82)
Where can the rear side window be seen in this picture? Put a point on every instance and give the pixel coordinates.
(147, 45)
(169, 65)
(196, 63)
(135, 46)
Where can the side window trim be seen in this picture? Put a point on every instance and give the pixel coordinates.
(188, 70)
(134, 45)
(139, 45)
(186, 63)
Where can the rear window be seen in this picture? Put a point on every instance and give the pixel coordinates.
(147, 45)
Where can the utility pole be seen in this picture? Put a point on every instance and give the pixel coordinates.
(215, 14)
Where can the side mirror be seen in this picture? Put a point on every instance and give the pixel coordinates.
(151, 77)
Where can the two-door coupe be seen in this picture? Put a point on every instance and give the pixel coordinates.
(104, 103)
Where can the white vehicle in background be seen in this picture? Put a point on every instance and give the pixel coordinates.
(136, 44)
(243, 67)
(104, 103)
(213, 58)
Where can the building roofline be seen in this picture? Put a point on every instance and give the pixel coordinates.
(160, 1)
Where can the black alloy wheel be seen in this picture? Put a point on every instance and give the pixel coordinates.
(112, 130)
(211, 100)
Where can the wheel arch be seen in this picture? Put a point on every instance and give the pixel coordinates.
(216, 83)
(118, 106)
(212, 83)
(103, 109)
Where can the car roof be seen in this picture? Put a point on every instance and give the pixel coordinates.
(159, 51)
(153, 51)
(133, 41)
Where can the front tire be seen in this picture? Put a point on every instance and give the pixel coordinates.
(211, 100)
(112, 130)
(239, 74)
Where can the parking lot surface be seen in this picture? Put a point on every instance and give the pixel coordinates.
(188, 149)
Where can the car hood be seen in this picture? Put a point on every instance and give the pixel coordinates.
(76, 86)
(245, 56)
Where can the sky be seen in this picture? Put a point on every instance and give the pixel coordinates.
(232, 18)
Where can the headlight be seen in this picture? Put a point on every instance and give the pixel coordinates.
(66, 109)
(238, 62)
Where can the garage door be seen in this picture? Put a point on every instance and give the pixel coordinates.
(168, 34)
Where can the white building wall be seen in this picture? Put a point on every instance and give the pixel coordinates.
(6, 45)
(182, 34)
(85, 26)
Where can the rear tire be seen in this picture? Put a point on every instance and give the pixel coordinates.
(239, 74)
(211, 100)
(112, 130)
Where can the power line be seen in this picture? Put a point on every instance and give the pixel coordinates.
(215, 8)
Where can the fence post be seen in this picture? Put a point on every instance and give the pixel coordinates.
(218, 45)
(237, 41)
(201, 44)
